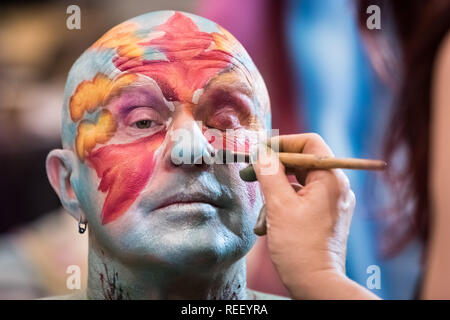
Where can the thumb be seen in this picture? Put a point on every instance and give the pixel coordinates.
(273, 180)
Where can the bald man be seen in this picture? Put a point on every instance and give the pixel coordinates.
(162, 225)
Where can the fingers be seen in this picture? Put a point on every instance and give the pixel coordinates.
(296, 143)
(311, 143)
(308, 143)
(261, 223)
(248, 174)
(272, 178)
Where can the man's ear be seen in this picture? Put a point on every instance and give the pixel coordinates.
(60, 165)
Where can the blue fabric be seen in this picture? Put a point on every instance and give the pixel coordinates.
(337, 91)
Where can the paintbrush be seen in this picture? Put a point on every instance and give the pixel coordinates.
(304, 161)
(293, 161)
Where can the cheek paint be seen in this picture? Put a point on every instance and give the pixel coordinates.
(124, 170)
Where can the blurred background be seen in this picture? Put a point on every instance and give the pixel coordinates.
(318, 76)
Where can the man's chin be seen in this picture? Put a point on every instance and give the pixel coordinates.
(198, 248)
(185, 215)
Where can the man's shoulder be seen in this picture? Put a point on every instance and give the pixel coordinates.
(256, 295)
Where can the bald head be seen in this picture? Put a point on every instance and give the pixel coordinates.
(150, 91)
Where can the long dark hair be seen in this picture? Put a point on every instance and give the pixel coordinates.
(420, 27)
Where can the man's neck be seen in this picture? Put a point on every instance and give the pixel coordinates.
(110, 279)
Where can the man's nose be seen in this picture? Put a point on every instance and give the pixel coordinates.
(187, 146)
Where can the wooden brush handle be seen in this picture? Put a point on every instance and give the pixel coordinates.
(310, 161)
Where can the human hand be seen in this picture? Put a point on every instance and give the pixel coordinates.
(307, 226)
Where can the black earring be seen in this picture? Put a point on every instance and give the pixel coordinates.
(82, 226)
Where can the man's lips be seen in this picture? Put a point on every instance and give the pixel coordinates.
(180, 199)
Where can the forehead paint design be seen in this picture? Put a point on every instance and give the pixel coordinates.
(181, 59)
(191, 57)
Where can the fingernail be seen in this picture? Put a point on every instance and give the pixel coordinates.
(248, 174)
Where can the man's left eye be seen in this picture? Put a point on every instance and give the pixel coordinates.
(144, 124)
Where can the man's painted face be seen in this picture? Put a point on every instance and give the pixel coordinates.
(140, 85)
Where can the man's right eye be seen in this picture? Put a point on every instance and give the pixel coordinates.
(144, 124)
(142, 118)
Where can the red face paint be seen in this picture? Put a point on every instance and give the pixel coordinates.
(124, 170)
(189, 63)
